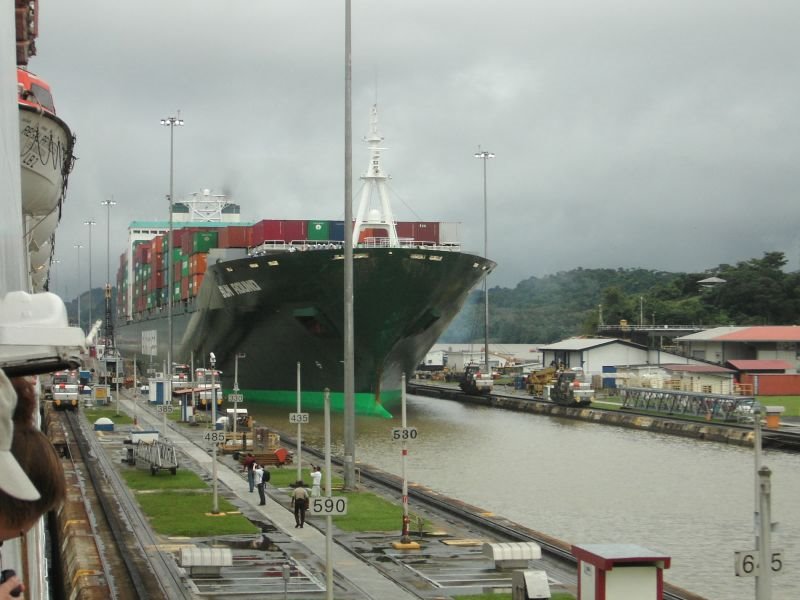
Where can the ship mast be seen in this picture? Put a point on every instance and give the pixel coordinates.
(375, 180)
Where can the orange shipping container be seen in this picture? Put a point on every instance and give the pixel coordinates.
(195, 281)
(198, 263)
(184, 288)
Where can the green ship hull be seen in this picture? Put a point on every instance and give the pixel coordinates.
(285, 308)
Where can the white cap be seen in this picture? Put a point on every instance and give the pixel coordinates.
(13, 480)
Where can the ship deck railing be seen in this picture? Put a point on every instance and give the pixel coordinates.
(270, 246)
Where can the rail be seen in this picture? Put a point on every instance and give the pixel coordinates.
(129, 519)
(272, 246)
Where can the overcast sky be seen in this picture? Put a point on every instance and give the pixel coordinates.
(661, 134)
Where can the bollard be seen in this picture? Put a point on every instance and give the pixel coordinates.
(774, 416)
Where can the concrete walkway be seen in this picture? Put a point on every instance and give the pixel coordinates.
(361, 575)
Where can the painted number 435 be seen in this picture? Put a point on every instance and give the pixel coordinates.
(747, 563)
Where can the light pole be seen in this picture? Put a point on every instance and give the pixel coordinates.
(108, 204)
(485, 155)
(213, 361)
(91, 223)
(50, 285)
(236, 358)
(349, 335)
(79, 246)
(170, 122)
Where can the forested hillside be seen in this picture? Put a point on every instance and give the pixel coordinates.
(546, 309)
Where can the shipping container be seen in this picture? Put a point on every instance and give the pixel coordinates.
(294, 231)
(336, 231)
(405, 230)
(267, 230)
(184, 287)
(185, 267)
(195, 281)
(427, 232)
(449, 233)
(198, 263)
(176, 291)
(418, 231)
(204, 241)
(235, 237)
(319, 230)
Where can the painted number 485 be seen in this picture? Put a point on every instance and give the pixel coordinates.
(747, 563)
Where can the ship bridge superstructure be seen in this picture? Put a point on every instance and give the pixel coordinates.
(380, 217)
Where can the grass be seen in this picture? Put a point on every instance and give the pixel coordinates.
(139, 479)
(365, 510)
(286, 476)
(92, 414)
(790, 403)
(178, 505)
(181, 513)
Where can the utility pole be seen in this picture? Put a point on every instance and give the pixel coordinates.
(485, 156)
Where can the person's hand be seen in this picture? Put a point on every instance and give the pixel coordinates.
(11, 588)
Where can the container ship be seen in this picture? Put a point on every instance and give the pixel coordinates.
(271, 292)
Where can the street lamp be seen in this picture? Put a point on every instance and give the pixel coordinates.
(108, 204)
(236, 398)
(91, 223)
(170, 122)
(50, 285)
(79, 246)
(485, 155)
(213, 361)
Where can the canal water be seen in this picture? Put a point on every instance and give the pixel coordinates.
(589, 483)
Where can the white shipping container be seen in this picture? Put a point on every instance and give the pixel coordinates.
(449, 233)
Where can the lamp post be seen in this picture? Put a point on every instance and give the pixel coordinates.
(170, 122)
(485, 155)
(79, 246)
(108, 204)
(215, 505)
(236, 358)
(50, 285)
(349, 335)
(90, 223)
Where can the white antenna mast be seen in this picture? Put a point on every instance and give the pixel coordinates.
(375, 179)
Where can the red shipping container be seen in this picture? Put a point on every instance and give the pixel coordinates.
(184, 288)
(294, 230)
(158, 244)
(267, 230)
(198, 263)
(405, 230)
(427, 232)
(235, 237)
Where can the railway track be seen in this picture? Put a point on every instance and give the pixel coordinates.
(148, 572)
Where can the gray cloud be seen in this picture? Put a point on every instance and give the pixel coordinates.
(656, 134)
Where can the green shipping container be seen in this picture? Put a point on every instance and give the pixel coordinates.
(185, 267)
(318, 230)
(203, 241)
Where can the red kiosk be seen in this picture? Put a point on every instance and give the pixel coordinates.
(619, 572)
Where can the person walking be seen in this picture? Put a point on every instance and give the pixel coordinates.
(248, 465)
(316, 481)
(300, 504)
(258, 475)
